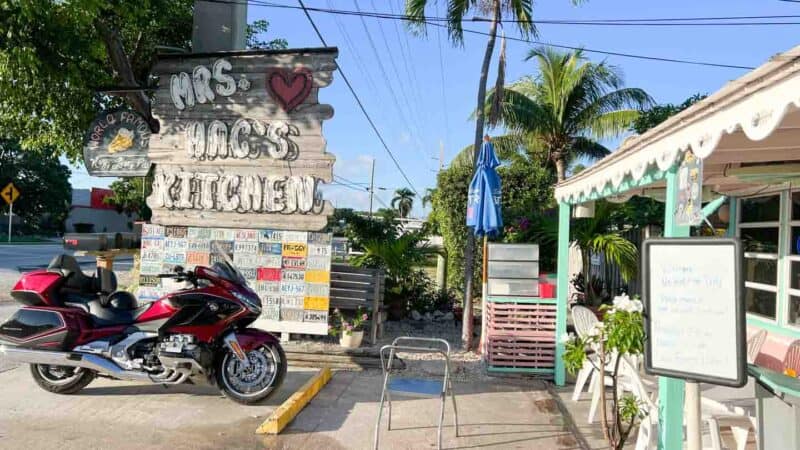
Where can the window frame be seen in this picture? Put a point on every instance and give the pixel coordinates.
(779, 257)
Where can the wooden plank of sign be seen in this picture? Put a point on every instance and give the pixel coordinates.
(257, 95)
(197, 218)
(303, 113)
(323, 172)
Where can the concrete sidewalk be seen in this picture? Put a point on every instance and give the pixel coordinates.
(503, 414)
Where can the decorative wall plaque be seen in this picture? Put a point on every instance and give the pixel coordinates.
(116, 145)
(241, 144)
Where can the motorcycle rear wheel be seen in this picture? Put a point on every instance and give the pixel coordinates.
(250, 385)
(61, 379)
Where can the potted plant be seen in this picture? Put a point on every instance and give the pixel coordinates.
(350, 331)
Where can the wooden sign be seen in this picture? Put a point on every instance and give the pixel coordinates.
(689, 211)
(241, 141)
(294, 298)
(116, 145)
(694, 309)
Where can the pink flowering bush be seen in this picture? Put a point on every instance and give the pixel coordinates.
(346, 325)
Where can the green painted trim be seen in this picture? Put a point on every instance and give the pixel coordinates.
(714, 205)
(733, 222)
(781, 298)
(786, 331)
(537, 300)
(520, 369)
(562, 289)
(671, 390)
(652, 175)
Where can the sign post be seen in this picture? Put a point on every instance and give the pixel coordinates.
(695, 319)
(10, 194)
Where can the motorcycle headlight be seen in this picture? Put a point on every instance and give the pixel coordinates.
(253, 303)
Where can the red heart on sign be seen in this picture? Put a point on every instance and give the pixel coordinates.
(289, 88)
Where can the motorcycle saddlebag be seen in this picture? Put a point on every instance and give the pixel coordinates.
(39, 328)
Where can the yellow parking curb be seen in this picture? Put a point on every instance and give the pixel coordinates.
(294, 404)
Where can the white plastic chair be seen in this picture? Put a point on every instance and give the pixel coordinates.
(754, 344)
(713, 413)
(584, 319)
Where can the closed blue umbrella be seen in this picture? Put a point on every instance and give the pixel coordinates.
(483, 210)
(483, 202)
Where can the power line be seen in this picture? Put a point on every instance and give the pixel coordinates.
(358, 100)
(670, 21)
(346, 180)
(546, 44)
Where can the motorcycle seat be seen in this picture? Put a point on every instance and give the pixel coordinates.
(104, 316)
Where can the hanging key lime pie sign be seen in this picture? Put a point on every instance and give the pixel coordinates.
(116, 145)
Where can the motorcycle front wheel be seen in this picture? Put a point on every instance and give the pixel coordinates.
(254, 382)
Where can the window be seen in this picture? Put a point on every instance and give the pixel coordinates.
(793, 262)
(759, 230)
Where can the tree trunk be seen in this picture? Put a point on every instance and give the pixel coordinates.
(469, 250)
(122, 66)
(561, 171)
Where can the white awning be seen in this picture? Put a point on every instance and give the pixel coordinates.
(754, 119)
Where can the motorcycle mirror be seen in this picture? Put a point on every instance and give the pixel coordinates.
(178, 269)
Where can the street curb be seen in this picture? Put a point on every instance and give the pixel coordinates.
(285, 413)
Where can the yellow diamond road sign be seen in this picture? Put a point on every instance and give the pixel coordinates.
(9, 193)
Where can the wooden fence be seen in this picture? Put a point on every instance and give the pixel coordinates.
(355, 287)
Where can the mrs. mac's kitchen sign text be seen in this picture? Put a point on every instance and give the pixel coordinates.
(240, 143)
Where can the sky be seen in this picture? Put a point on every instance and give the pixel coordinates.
(420, 90)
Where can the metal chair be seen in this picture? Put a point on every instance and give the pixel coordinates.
(415, 387)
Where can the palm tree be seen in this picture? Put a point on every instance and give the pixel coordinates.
(427, 199)
(569, 106)
(597, 235)
(403, 201)
(520, 12)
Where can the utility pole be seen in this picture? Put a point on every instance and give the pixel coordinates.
(371, 188)
(219, 26)
(441, 155)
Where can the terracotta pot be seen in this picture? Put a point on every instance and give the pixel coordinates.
(352, 340)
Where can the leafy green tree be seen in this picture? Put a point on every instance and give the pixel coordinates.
(570, 105)
(43, 182)
(659, 113)
(253, 38)
(130, 194)
(55, 55)
(403, 201)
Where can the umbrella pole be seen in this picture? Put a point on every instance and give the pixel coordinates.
(484, 292)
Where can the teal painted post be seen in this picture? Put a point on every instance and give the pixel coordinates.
(562, 288)
(670, 390)
(733, 221)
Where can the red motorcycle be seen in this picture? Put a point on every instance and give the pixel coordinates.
(76, 327)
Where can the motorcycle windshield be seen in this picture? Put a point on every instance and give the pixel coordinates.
(225, 268)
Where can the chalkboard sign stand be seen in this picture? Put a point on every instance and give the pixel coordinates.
(684, 279)
(693, 289)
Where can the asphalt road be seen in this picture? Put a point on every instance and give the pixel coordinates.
(12, 257)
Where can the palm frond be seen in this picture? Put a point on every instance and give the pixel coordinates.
(612, 123)
(589, 148)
